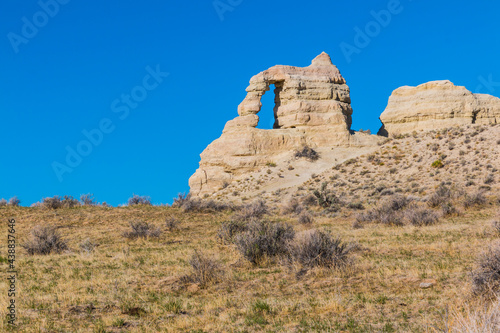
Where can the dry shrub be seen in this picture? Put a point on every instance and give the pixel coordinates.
(206, 270)
(448, 209)
(314, 248)
(477, 319)
(496, 226)
(44, 240)
(305, 218)
(389, 212)
(419, 216)
(181, 199)
(87, 200)
(14, 202)
(87, 246)
(252, 211)
(139, 200)
(490, 179)
(309, 200)
(387, 192)
(57, 202)
(436, 200)
(358, 224)
(293, 206)
(172, 223)
(264, 239)
(356, 206)
(190, 204)
(69, 202)
(51, 203)
(228, 231)
(141, 229)
(442, 196)
(326, 198)
(397, 203)
(475, 199)
(486, 276)
(308, 153)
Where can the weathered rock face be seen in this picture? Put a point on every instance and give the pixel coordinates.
(312, 107)
(435, 105)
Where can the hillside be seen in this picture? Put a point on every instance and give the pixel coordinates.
(470, 158)
(400, 275)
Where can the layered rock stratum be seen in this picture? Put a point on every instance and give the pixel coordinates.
(312, 107)
(435, 105)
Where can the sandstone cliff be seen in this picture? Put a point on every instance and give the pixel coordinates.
(312, 107)
(435, 105)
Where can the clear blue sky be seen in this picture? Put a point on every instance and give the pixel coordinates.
(72, 70)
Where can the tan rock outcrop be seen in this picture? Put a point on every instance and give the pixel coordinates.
(435, 105)
(312, 107)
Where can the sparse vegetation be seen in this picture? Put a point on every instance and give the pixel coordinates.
(172, 223)
(420, 216)
(474, 200)
(139, 200)
(264, 239)
(439, 197)
(229, 229)
(305, 218)
(293, 206)
(307, 153)
(189, 204)
(252, 211)
(87, 246)
(87, 200)
(262, 266)
(45, 240)
(141, 229)
(490, 179)
(205, 270)
(390, 212)
(326, 198)
(317, 248)
(14, 202)
(57, 202)
(496, 225)
(437, 164)
(486, 276)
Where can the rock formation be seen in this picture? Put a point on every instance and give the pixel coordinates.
(435, 105)
(312, 107)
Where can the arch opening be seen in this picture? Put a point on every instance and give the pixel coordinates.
(268, 114)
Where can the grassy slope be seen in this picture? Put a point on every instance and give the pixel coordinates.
(380, 293)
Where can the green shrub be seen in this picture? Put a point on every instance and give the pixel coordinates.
(437, 164)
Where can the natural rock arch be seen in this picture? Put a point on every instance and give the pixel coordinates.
(313, 107)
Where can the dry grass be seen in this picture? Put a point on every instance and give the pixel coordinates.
(137, 285)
